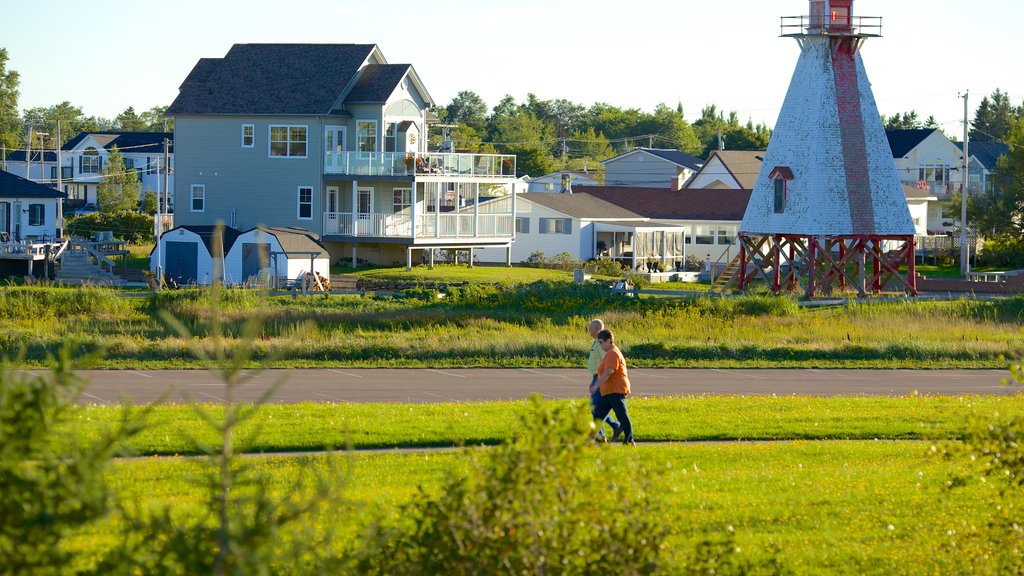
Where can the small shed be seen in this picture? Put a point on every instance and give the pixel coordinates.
(282, 253)
(186, 253)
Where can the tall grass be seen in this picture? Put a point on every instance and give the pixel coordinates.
(539, 324)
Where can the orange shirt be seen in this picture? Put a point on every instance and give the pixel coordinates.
(618, 382)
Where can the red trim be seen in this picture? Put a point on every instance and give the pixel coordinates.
(781, 173)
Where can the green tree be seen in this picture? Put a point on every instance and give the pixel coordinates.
(119, 188)
(993, 117)
(468, 108)
(129, 121)
(903, 121)
(148, 204)
(591, 145)
(999, 213)
(72, 120)
(153, 120)
(10, 124)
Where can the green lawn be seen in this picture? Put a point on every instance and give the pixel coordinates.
(457, 273)
(314, 426)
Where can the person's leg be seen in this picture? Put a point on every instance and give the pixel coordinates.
(601, 409)
(617, 403)
(595, 398)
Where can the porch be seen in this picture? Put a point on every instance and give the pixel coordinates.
(434, 225)
(643, 246)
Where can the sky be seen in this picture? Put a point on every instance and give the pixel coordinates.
(107, 55)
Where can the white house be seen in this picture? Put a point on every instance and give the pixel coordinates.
(729, 170)
(28, 211)
(928, 160)
(982, 164)
(587, 227)
(651, 168)
(560, 181)
(84, 156)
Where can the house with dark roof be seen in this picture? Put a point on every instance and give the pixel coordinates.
(29, 212)
(585, 226)
(331, 138)
(709, 217)
(729, 170)
(83, 158)
(927, 160)
(982, 164)
(651, 168)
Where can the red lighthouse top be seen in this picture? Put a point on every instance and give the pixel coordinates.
(831, 18)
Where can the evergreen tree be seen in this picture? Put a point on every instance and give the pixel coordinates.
(10, 124)
(119, 188)
(148, 204)
(999, 214)
(468, 108)
(129, 121)
(993, 117)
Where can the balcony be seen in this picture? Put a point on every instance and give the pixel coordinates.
(861, 26)
(490, 166)
(939, 189)
(430, 225)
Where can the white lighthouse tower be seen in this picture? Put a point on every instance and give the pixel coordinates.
(828, 208)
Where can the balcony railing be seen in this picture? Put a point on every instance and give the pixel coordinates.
(870, 26)
(429, 225)
(432, 164)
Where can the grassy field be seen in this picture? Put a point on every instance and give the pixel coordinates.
(526, 325)
(314, 426)
(837, 506)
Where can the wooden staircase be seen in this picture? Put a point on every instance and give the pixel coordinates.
(725, 278)
(80, 265)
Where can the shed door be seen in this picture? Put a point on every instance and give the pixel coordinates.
(182, 262)
(255, 257)
(5, 217)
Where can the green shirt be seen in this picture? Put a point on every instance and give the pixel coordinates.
(594, 360)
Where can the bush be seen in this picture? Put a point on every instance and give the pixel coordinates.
(534, 506)
(564, 261)
(129, 226)
(1002, 253)
(693, 263)
(536, 258)
(608, 267)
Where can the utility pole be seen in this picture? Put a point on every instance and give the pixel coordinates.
(42, 155)
(60, 180)
(965, 264)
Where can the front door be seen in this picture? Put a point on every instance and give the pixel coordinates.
(364, 211)
(182, 262)
(331, 222)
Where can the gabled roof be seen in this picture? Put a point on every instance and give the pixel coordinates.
(987, 153)
(903, 141)
(19, 156)
(206, 234)
(294, 240)
(376, 83)
(742, 164)
(580, 205)
(126, 142)
(12, 186)
(665, 204)
(265, 79)
(674, 156)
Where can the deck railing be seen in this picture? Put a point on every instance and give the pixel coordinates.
(812, 25)
(429, 164)
(429, 225)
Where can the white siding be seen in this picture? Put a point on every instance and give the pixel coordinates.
(526, 244)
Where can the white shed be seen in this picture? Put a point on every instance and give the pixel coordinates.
(282, 253)
(186, 253)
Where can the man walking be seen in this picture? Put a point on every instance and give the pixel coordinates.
(613, 380)
(593, 362)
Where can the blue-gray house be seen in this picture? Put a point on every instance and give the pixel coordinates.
(331, 138)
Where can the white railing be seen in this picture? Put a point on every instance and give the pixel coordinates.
(460, 225)
(409, 164)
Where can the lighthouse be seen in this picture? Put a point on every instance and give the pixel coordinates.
(828, 209)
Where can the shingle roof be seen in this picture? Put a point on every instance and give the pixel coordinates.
(681, 158)
(271, 79)
(903, 141)
(665, 204)
(579, 205)
(743, 165)
(19, 156)
(987, 153)
(295, 240)
(376, 83)
(12, 186)
(206, 234)
(129, 142)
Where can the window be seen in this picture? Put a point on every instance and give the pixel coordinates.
(403, 199)
(198, 198)
(36, 214)
(367, 136)
(726, 234)
(305, 203)
(522, 225)
(89, 162)
(248, 135)
(780, 176)
(704, 234)
(391, 137)
(555, 226)
(934, 171)
(780, 196)
(288, 141)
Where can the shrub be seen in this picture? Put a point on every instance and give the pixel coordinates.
(536, 258)
(126, 225)
(692, 263)
(529, 507)
(564, 261)
(608, 267)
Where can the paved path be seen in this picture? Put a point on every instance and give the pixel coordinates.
(458, 385)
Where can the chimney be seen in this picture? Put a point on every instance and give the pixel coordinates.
(566, 184)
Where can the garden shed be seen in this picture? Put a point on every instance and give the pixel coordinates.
(283, 254)
(187, 253)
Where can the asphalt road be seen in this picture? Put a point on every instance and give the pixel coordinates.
(459, 385)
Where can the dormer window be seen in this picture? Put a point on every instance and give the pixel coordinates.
(780, 177)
